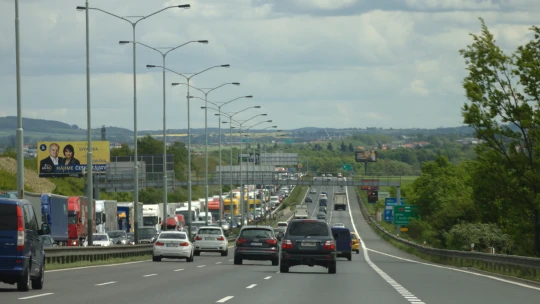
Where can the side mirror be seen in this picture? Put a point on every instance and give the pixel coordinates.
(45, 229)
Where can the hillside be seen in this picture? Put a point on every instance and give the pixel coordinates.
(32, 182)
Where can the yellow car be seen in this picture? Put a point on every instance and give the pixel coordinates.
(355, 242)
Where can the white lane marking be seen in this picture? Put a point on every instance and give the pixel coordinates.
(277, 271)
(106, 283)
(225, 299)
(149, 275)
(200, 266)
(178, 269)
(267, 278)
(251, 286)
(37, 296)
(231, 260)
(218, 262)
(400, 289)
(458, 270)
(96, 266)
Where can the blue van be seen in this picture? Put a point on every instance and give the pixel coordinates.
(343, 239)
(22, 258)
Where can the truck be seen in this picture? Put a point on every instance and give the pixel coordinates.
(126, 216)
(152, 215)
(54, 212)
(189, 215)
(78, 220)
(105, 216)
(340, 201)
(301, 212)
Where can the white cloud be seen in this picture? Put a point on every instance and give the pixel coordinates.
(352, 67)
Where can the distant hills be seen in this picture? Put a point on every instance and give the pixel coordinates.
(48, 130)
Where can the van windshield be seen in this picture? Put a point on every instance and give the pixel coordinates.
(8, 217)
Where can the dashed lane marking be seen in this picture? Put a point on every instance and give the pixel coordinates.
(251, 286)
(106, 283)
(37, 296)
(267, 278)
(149, 275)
(224, 299)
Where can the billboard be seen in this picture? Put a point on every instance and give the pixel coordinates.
(366, 156)
(68, 158)
(249, 157)
(373, 196)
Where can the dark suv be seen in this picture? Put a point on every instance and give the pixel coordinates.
(22, 258)
(308, 242)
(256, 243)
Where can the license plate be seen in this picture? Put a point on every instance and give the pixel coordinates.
(172, 245)
(210, 238)
(256, 244)
(309, 244)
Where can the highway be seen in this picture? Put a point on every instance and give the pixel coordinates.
(379, 274)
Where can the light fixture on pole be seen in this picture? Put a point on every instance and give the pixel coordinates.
(136, 166)
(164, 55)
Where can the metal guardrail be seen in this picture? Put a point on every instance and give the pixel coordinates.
(513, 265)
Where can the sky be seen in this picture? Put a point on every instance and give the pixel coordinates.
(307, 63)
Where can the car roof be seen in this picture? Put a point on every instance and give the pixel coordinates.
(13, 201)
(210, 227)
(257, 227)
(173, 231)
(341, 228)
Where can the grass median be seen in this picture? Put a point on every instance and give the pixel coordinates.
(296, 197)
(55, 266)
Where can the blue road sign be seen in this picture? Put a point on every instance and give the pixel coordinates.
(392, 201)
(388, 216)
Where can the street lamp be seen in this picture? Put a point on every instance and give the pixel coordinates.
(260, 163)
(20, 137)
(89, 157)
(206, 92)
(188, 79)
(164, 55)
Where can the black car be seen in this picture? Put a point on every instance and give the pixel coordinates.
(256, 243)
(308, 242)
(322, 202)
(308, 200)
(322, 209)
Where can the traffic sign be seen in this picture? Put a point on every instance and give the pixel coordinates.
(404, 213)
(347, 167)
(288, 141)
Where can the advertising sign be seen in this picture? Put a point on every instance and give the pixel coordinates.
(366, 156)
(370, 187)
(63, 158)
(249, 157)
(373, 196)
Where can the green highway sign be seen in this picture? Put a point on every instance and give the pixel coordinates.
(288, 141)
(347, 167)
(404, 213)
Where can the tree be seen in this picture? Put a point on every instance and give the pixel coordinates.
(351, 147)
(343, 147)
(124, 150)
(330, 147)
(504, 111)
(259, 146)
(149, 146)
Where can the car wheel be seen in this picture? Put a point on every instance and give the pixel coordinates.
(24, 283)
(156, 259)
(332, 268)
(225, 253)
(237, 261)
(190, 259)
(37, 283)
(357, 251)
(197, 253)
(349, 256)
(283, 268)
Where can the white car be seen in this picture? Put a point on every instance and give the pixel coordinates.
(338, 225)
(211, 239)
(312, 191)
(172, 245)
(323, 196)
(101, 239)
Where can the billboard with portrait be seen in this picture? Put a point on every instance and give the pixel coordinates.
(68, 158)
(366, 156)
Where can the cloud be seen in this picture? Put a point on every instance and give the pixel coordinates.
(339, 63)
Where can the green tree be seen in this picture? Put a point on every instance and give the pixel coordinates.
(504, 110)
(151, 196)
(124, 150)
(330, 147)
(149, 145)
(343, 147)
(351, 147)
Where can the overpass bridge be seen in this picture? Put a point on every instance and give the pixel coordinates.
(124, 182)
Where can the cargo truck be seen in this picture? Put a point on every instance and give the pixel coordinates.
(301, 212)
(126, 216)
(152, 214)
(340, 201)
(54, 212)
(78, 220)
(105, 216)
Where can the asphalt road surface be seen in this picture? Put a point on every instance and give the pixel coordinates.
(379, 274)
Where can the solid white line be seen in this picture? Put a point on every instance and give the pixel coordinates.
(96, 266)
(251, 286)
(178, 269)
(225, 299)
(218, 262)
(267, 278)
(385, 276)
(200, 266)
(37, 296)
(231, 260)
(149, 275)
(107, 283)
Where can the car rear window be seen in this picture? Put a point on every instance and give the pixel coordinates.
(308, 229)
(175, 236)
(99, 237)
(256, 233)
(282, 224)
(209, 231)
(341, 234)
(353, 236)
(8, 217)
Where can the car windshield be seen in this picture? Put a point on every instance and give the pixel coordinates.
(173, 236)
(117, 234)
(100, 237)
(308, 229)
(209, 231)
(261, 233)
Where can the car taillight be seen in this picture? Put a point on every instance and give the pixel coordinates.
(286, 244)
(159, 244)
(198, 238)
(329, 245)
(20, 229)
(184, 244)
(221, 238)
(271, 242)
(240, 241)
